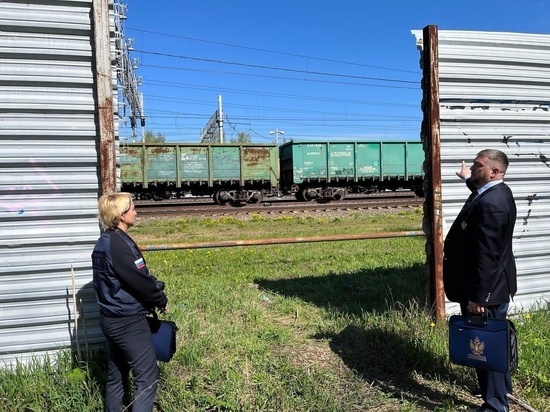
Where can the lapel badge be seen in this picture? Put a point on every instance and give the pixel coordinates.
(463, 225)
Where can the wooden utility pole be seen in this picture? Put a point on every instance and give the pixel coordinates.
(104, 95)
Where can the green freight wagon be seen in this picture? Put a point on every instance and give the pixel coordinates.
(230, 173)
(329, 170)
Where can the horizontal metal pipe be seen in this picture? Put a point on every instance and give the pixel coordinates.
(260, 242)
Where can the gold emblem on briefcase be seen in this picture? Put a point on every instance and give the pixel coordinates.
(477, 346)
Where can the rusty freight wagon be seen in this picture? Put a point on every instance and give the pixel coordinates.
(329, 170)
(230, 173)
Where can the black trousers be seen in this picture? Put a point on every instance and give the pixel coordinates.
(494, 386)
(130, 347)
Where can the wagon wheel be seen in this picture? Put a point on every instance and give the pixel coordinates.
(256, 198)
(215, 198)
(341, 195)
(219, 200)
(306, 196)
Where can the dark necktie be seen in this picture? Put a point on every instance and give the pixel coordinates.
(470, 198)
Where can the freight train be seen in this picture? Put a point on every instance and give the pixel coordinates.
(248, 173)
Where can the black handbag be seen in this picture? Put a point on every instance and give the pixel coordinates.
(482, 342)
(164, 337)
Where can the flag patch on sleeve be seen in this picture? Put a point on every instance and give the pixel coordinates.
(140, 264)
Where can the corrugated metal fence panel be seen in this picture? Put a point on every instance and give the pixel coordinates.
(49, 178)
(495, 93)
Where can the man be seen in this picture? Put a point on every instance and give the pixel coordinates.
(479, 270)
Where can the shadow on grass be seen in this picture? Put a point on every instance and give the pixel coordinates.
(380, 356)
(389, 362)
(372, 290)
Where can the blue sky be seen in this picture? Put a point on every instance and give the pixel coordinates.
(314, 69)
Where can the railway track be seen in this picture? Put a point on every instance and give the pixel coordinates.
(206, 207)
(207, 200)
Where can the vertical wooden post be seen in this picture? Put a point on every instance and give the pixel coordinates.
(104, 95)
(431, 131)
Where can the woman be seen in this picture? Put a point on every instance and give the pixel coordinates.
(125, 292)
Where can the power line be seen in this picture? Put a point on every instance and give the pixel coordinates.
(293, 97)
(280, 95)
(258, 66)
(310, 122)
(387, 86)
(274, 52)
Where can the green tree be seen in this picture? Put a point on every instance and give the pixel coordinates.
(150, 137)
(242, 137)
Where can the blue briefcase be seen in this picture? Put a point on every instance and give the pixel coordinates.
(164, 337)
(483, 343)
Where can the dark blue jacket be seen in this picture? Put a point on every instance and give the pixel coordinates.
(122, 283)
(478, 263)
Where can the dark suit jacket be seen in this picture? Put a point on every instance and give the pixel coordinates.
(478, 262)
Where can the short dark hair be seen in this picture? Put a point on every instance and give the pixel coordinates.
(496, 156)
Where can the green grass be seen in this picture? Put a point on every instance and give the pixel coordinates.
(334, 326)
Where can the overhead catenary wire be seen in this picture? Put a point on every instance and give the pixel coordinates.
(317, 123)
(299, 79)
(284, 69)
(279, 95)
(272, 51)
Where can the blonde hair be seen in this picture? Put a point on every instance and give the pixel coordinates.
(111, 207)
